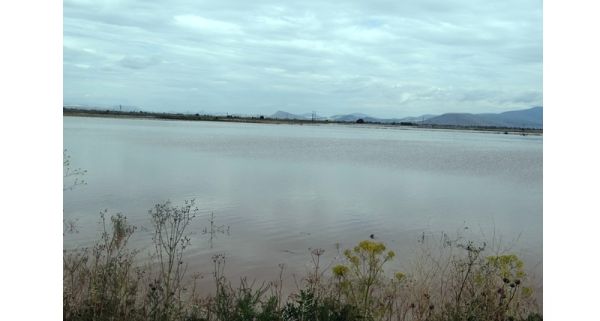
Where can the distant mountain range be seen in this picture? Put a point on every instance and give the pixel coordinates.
(351, 118)
(354, 117)
(285, 115)
(525, 118)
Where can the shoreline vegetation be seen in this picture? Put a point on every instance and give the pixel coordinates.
(68, 111)
(454, 280)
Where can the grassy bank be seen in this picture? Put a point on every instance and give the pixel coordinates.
(461, 282)
(267, 120)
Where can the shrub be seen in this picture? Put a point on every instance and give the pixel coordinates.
(360, 281)
(103, 283)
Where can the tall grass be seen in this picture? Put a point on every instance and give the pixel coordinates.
(462, 283)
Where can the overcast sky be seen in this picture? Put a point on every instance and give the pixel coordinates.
(391, 58)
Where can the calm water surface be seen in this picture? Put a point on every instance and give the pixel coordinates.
(283, 189)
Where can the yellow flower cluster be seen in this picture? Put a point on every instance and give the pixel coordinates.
(508, 265)
(340, 270)
(367, 249)
(370, 247)
(399, 276)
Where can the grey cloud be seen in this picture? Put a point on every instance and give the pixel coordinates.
(139, 62)
(388, 58)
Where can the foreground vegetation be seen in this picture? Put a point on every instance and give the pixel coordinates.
(460, 283)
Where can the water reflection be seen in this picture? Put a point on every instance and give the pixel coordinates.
(283, 189)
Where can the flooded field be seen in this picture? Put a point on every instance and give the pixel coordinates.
(276, 191)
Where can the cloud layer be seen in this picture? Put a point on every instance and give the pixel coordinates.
(385, 58)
